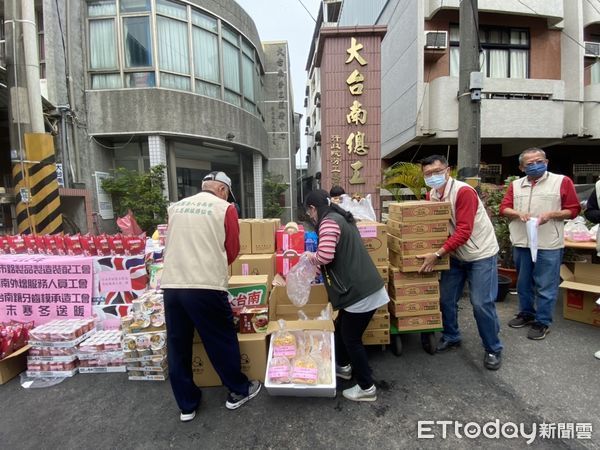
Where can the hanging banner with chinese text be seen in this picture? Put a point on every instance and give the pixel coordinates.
(42, 288)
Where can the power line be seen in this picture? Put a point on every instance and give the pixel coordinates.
(562, 31)
(307, 11)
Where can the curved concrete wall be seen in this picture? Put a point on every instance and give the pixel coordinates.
(164, 111)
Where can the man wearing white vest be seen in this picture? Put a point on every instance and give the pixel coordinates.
(473, 250)
(549, 198)
(202, 240)
(592, 213)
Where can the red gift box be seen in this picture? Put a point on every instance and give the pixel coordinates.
(290, 238)
(286, 260)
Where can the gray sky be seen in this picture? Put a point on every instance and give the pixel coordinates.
(287, 20)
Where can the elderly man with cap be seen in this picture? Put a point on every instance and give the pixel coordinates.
(202, 240)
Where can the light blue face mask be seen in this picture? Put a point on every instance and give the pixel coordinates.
(435, 181)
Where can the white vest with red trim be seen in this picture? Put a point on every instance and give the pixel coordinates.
(543, 196)
(195, 256)
(482, 243)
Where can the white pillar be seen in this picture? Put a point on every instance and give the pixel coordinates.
(258, 185)
(157, 150)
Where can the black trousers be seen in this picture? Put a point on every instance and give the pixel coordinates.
(210, 313)
(349, 349)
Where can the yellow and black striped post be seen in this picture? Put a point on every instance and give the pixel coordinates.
(38, 201)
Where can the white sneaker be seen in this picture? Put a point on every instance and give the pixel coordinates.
(597, 354)
(357, 394)
(186, 417)
(343, 372)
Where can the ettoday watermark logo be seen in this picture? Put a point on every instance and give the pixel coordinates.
(436, 429)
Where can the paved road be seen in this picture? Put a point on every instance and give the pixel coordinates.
(553, 381)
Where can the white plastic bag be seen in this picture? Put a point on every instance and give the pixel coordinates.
(298, 281)
(575, 230)
(361, 209)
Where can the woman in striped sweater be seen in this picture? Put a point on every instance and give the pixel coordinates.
(353, 285)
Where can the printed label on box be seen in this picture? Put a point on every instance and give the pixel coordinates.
(368, 232)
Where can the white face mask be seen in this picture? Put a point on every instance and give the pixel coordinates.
(435, 181)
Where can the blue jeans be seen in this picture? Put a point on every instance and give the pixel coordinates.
(538, 282)
(482, 276)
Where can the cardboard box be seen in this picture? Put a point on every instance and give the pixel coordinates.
(263, 235)
(418, 230)
(285, 261)
(384, 272)
(245, 236)
(415, 307)
(287, 239)
(254, 265)
(254, 320)
(423, 291)
(253, 352)
(249, 290)
(376, 337)
(281, 307)
(399, 278)
(379, 321)
(13, 364)
(382, 310)
(581, 290)
(413, 264)
(413, 247)
(304, 390)
(374, 236)
(419, 323)
(419, 211)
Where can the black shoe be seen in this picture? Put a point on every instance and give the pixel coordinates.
(492, 361)
(521, 320)
(538, 331)
(444, 345)
(234, 401)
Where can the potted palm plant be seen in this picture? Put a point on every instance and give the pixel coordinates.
(492, 196)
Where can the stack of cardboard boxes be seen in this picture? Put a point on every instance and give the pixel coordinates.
(257, 248)
(416, 228)
(375, 237)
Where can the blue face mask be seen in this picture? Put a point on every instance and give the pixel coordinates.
(536, 170)
(435, 181)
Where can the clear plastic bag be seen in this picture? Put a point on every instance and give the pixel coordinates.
(299, 280)
(30, 382)
(575, 230)
(284, 342)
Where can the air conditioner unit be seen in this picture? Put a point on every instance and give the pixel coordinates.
(436, 40)
(592, 49)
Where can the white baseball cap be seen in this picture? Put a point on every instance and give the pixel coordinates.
(221, 177)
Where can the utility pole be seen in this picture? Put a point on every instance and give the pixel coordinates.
(469, 95)
(32, 150)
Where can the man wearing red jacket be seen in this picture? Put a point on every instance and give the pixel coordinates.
(549, 198)
(473, 250)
